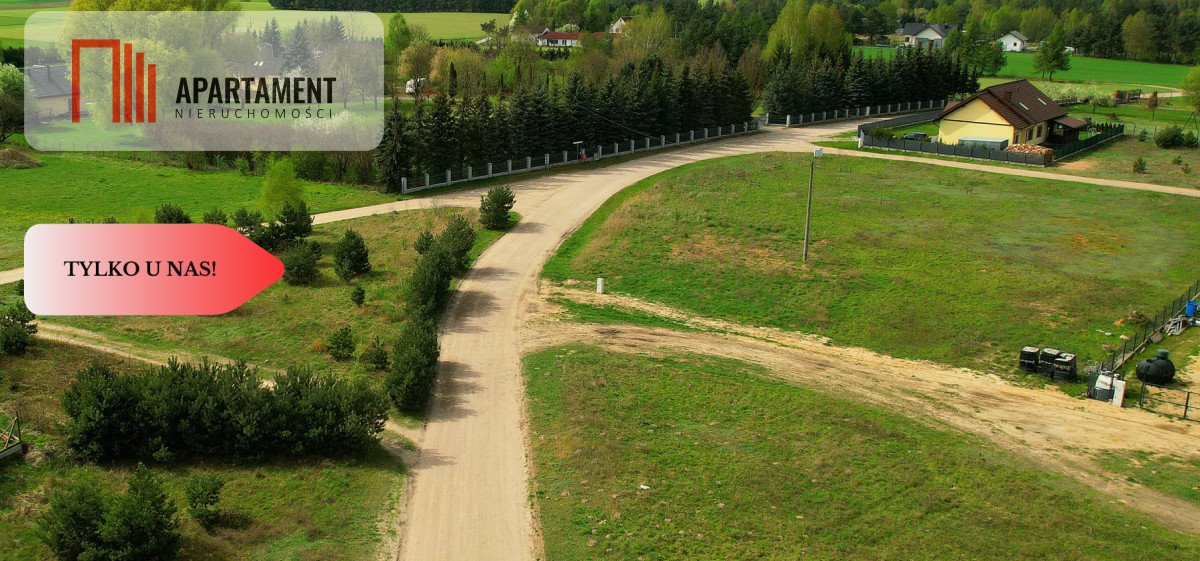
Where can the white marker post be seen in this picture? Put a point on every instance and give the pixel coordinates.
(599, 285)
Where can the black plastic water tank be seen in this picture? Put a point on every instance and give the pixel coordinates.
(1157, 370)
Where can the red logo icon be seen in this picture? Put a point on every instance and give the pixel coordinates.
(139, 101)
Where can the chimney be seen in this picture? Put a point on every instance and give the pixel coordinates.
(1007, 96)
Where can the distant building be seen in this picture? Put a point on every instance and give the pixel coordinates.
(924, 34)
(570, 39)
(1005, 114)
(1013, 41)
(51, 90)
(618, 26)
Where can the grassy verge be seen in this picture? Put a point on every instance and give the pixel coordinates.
(287, 325)
(91, 188)
(710, 460)
(588, 313)
(943, 264)
(1175, 476)
(294, 509)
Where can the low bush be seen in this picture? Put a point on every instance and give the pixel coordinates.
(375, 355)
(495, 206)
(1139, 165)
(82, 523)
(1170, 137)
(171, 214)
(341, 344)
(351, 258)
(300, 265)
(217, 411)
(414, 366)
(423, 242)
(358, 295)
(203, 493)
(215, 216)
(883, 133)
(16, 329)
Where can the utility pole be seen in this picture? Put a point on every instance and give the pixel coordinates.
(812, 168)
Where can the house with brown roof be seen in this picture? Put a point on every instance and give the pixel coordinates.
(1005, 114)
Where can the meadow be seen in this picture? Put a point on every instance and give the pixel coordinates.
(440, 25)
(1128, 74)
(309, 508)
(907, 259)
(709, 459)
(288, 325)
(89, 188)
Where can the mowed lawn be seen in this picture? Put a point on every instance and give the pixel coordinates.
(289, 325)
(1114, 160)
(907, 259)
(1129, 73)
(283, 509)
(695, 457)
(90, 188)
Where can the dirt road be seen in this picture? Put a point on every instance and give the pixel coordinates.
(1056, 430)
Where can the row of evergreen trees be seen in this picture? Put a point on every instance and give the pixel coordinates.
(646, 100)
(806, 85)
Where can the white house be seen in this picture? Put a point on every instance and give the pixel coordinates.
(918, 34)
(619, 25)
(1013, 41)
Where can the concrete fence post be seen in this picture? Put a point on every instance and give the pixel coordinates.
(676, 138)
(528, 162)
(564, 156)
(599, 151)
(647, 143)
(788, 122)
(403, 185)
(470, 173)
(547, 159)
(447, 176)
(510, 166)
(692, 135)
(489, 168)
(662, 141)
(705, 133)
(632, 145)
(812, 117)
(427, 180)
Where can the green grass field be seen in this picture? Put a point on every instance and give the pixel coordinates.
(1123, 73)
(91, 188)
(740, 467)
(287, 325)
(909, 260)
(284, 509)
(441, 25)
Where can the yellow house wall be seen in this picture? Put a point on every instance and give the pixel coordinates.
(1032, 135)
(974, 120)
(53, 106)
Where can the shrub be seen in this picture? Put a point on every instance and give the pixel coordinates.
(457, 239)
(1187, 169)
(217, 410)
(1178, 160)
(243, 218)
(375, 355)
(171, 214)
(1143, 135)
(414, 366)
(300, 265)
(310, 165)
(18, 313)
(883, 133)
(429, 284)
(140, 524)
(358, 295)
(242, 165)
(14, 339)
(215, 216)
(495, 206)
(294, 222)
(71, 524)
(1170, 137)
(1191, 140)
(341, 344)
(1139, 165)
(203, 492)
(423, 242)
(350, 256)
(20, 287)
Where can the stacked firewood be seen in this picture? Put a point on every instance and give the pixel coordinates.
(1029, 149)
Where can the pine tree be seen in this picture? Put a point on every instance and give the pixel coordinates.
(351, 258)
(393, 157)
(141, 524)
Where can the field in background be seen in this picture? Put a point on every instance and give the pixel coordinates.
(91, 188)
(1122, 73)
(441, 25)
(708, 459)
(285, 509)
(910, 260)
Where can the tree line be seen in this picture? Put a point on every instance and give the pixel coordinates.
(805, 85)
(386, 6)
(643, 100)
